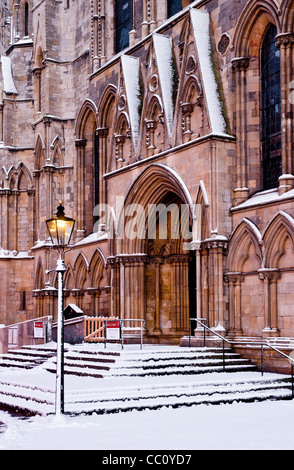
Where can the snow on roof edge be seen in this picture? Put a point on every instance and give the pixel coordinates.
(131, 71)
(163, 51)
(201, 26)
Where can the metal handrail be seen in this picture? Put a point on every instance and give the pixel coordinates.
(258, 343)
(122, 321)
(139, 328)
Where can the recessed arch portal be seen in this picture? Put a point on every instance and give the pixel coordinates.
(158, 258)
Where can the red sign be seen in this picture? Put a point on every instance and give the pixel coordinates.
(38, 329)
(112, 324)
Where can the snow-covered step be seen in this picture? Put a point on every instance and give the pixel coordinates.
(26, 399)
(177, 371)
(141, 399)
(25, 357)
(148, 365)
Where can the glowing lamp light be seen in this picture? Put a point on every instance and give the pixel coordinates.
(60, 228)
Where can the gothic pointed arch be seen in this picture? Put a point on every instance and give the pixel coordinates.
(57, 147)
(39, 153)
(8, 177)
(88, 174)
(154, 186)
(154, 126)
(24, 177)
(88, 111)
(201, 212)
(287, 9)
(245, 243)
(98, 270)
(39, 276)
(122, 138)
(105, 125)
(69, 278)
(106, 102)
(248, 20)
(81, 269)
(278, 232)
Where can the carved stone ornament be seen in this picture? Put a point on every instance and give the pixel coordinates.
(153, 85)
(224, 43)
(285, 39)
(191, 65)
(240, 63)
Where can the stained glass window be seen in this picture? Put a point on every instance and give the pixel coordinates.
(123, 23)
(271, 110)
(173, 7)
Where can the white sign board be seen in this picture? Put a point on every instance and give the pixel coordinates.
(113, 330)
(39, 329)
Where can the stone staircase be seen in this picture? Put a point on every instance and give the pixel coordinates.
(151, 378)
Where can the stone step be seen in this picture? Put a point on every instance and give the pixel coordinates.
(98, 363)
(32, 400)
(28, 400)
(160, 398)
(148, 364)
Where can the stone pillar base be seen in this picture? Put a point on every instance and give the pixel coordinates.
(270, 333)
(286, 183)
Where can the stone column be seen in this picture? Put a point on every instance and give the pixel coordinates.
(102, 133)
(187, 110)
(6, 229)
(217, 249)
(149, 22)
(16, 7)
(239, 68)
(235, 303)
(150, 129)
(99, 19)
(119, 147)
(16, 194)
(270, 278)
(157, 329)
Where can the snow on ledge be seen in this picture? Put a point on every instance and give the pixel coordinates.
(7, 77)
(264, 197)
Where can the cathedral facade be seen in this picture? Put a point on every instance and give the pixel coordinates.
(166, 129)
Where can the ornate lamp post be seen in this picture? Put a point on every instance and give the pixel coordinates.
(60, 229)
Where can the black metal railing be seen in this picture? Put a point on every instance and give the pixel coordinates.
(202, 322)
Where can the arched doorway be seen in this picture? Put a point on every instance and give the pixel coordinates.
(156, 265)
(170, 270)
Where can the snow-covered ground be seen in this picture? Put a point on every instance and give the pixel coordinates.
(256, 426)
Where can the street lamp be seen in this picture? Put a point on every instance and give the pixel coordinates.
(60, 229)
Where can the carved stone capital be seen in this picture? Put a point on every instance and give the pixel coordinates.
(269, 274)
(187, 108)
(234, 277)
(80, 143)
(102, 131)
(240, 63)
(285, 39)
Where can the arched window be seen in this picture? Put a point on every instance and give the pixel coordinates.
(271, 110)
(123, 23)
